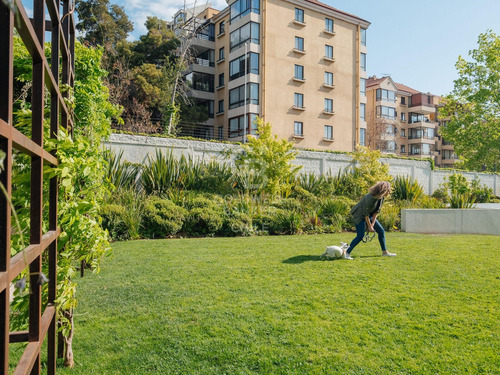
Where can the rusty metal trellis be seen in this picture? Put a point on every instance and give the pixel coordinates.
(46, 74)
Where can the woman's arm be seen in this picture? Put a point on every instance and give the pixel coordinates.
(370, 225)
(374, 217)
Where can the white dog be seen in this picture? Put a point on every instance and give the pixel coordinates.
(334, 252)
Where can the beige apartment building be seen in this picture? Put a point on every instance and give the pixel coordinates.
(404, 122)
(302, 62)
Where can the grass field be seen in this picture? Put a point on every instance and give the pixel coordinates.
(267, 305)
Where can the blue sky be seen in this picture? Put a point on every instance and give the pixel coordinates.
(417, 43)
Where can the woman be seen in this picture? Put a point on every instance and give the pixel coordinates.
(365, 214)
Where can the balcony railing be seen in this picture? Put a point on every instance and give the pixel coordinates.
(204, 62)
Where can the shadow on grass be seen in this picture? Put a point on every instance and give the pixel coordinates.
(301, 259)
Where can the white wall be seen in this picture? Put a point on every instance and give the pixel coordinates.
(470, 221)
(136, 149)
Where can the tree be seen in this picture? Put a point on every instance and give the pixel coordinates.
(270, 158)
(102, 23)
(473, 107)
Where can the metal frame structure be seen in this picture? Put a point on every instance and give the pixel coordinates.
(50, 75)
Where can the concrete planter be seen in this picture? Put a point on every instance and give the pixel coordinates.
(460, 221)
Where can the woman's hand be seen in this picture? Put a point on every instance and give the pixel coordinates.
(370, 228)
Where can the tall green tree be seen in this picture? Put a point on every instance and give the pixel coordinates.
(270, 158)
(473, 107)
(102, 23)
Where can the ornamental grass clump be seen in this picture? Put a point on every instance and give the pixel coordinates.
(407, 189)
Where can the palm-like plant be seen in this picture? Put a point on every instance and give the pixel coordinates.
(406, 189)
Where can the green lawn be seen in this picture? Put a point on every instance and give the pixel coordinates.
(267, 305)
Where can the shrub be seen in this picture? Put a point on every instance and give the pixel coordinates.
(264, 220)
(161, 218)
(287, 222)
(237, 224)
(133, 202)
(335, 211)
(290, 204)
(311, 182)
(345, 183)
(481, 193)
(112, 220)
(204, 221)
(441, 194)
(406, 188)
(390, 217)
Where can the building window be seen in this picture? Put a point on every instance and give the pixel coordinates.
(299, 15)
(298, 100)
(222, 27)
(362, 137)
(386, 112)
(328, 51)
(206, 32)
(221, 132)
(389, 129)
(328, 132)
(237, 66)
(237, 95)
(403, 116)
(206, 58)
(390, 146)
(248, 33)
(387, 95)
(363, 62)
(221, 80)
(210, 108)
(417, 117)
(403, 100)
(403, 149)
(201, 81)
(299, 43)
(298, 128)
(363, 37)
(403, 133)
(221, 54)
(221, 106)
(241, 8)
(329, 25)
(328, 78)
(329, 105)
(362, 111)
(237, 124)
(362, 86)
(299, 72)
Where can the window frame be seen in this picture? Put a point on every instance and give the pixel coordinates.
(300, 14)
(299, 69)
(327, 23)
(300, 125)
(298, 103)
(299, 46)
(328, 129)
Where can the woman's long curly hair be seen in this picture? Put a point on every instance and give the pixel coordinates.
(380, 188)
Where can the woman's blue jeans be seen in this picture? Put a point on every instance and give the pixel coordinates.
(360, 233)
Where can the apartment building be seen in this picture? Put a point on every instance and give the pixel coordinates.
(299, 64)
(404, 122)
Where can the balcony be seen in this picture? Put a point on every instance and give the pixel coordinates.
(422, 103)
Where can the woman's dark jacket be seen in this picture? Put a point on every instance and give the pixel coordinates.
(367, 206)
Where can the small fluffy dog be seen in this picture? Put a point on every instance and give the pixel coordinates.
(334, 252)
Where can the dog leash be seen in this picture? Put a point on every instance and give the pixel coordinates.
(367, 237)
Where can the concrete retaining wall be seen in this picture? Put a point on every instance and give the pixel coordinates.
(136, 149)
(470, 221)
